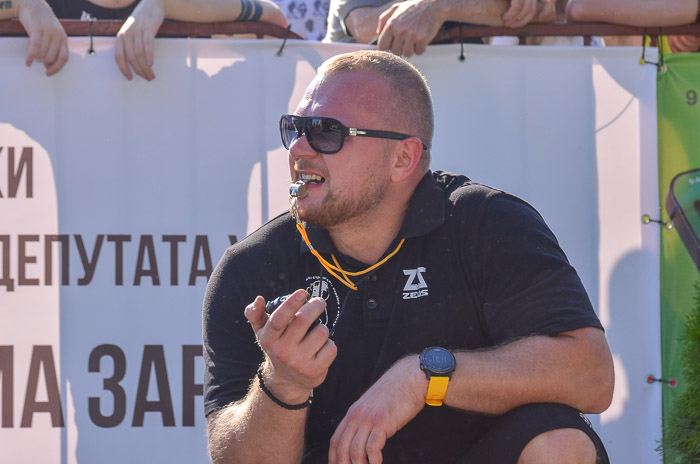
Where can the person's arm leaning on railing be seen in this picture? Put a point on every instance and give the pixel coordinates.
(634, 12)
(407, 27)
(644, 13)
(135, 45)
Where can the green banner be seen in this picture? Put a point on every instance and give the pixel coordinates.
(678, 91)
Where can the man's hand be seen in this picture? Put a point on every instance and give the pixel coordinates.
(521, 12)
(408, 27)
(393, 401)
(136, 39)
(298, 358)
(48, 42)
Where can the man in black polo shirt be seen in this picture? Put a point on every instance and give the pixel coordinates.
(453, 327)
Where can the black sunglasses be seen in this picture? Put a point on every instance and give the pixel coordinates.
(327, 135)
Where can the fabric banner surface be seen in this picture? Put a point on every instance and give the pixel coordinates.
(679, 196)
(117, 199)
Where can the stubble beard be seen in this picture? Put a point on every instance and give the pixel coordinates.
(336, 210)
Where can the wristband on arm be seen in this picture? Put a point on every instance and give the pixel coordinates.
(291, 407)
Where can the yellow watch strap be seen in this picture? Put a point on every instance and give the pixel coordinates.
(437, 389)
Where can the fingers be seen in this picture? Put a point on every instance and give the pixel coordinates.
(57, 57)
(546, 11)
(384, 17)
(255, 313)
(34, 48)
(397, 40)
(135, 50)
(58, 64)
(348, 443)
(405, 43)
(420, 45)
(513, 11)
(385, 41)
(135, 57)
(48, 43)
(356, 443)
(49, 48)
(297, 358)
(292, 319)
(149, 52)
(406, 28)
(339, 445)
(141, 61)
(519, 13)
(375, 445)
(120, 57)
(326, 355)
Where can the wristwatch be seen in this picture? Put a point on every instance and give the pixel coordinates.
(438, 365)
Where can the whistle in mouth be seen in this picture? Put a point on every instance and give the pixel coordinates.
(298, 189)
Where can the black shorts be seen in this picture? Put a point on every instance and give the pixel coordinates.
(503, 442)
(511, 432)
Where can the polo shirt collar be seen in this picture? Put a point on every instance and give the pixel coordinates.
(426, 212)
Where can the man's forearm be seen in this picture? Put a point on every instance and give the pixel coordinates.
(485, 12)
(634, 12)
(573, 368)
(223, 10)
(257, 431)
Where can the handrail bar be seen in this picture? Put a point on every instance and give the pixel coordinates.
(451, 32)
(74, 27)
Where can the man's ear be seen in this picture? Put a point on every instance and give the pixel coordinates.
(407, 159)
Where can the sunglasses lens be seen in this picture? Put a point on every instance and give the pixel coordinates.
(324, 134)
(288, 131)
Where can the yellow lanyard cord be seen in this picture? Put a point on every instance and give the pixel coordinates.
(330, 268)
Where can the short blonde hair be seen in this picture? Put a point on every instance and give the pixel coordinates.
(411, 101)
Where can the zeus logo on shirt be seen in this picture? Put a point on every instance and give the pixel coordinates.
(415, 285)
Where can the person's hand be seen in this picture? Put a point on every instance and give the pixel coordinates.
(521, 12)
(683, 43)
(136, 39)
(297, 358)
(48, 42)
(393, 401)
(408, 27)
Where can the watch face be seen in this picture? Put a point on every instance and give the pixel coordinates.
(438, 360)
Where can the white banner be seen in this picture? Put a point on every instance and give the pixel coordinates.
(117, 198)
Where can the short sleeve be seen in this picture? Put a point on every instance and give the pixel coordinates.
(338, 11)
(528, 285)
(231, 355)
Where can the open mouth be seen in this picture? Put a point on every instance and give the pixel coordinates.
(311, 179)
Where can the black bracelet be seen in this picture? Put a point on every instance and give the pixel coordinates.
(292, 407)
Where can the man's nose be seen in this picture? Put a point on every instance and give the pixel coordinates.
(300, 148)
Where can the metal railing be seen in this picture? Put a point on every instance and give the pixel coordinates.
(452, 32)
(13, 28)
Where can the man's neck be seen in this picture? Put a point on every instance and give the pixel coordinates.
(368, 238)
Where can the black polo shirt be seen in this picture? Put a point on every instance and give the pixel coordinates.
(479, 267)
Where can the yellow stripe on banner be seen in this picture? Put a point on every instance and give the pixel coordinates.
(664, 48)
